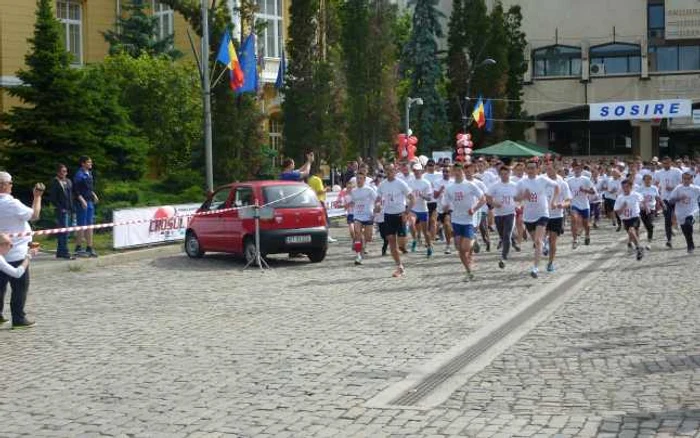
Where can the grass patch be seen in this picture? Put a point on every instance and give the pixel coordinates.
(102, 243)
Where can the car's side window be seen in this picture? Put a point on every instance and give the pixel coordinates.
(218, 200)
(244, 197)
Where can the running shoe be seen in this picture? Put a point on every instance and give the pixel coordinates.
(429, 253)
(545, 249)
(574, 244)
(534, 272)
(476, 247)
(516, 247)
(358, 260)
(488, 246)
(500, 245)
(647, 247)
(587, 241)
(384, 248)
(550, 267)
(668, 245)
(331, 240)
(468, 276)
(413, 246)
(448, 250)
(617, 230)
(398, 272)
(501, 264)
(640, 253)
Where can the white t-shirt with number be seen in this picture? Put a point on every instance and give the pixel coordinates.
(442, 182)
(628, 205)
(422, 194)
(579, 198)
(504, 194)
(564, 195)
(432, 178)
(649, 195)
(667, 180)
(363, 199)
(393, 194)
(461, 197)
(536, 205)
(614, 188)
(686, 198)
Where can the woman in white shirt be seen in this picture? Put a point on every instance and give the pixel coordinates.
(8, 269)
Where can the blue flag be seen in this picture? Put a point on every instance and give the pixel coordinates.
(249, 65)
(488, 112)
(279, 83)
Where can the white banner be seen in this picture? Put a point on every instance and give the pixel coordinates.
(160, 224)
(440, 155)
(333, 207)
(641, 110)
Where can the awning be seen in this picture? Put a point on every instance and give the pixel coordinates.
(509, 149)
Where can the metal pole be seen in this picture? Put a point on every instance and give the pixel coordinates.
(408, 114)
(206, 92)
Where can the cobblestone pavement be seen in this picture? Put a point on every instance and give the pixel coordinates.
(177, 347)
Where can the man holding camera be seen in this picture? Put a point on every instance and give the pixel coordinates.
(14, 218)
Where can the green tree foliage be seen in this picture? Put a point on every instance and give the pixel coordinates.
(517, 66)
(370, 62)
(238, 140)
(165, 105)
(66, 113)
(137, 34)
(421, 66)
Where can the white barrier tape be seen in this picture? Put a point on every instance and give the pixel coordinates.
(140, 221)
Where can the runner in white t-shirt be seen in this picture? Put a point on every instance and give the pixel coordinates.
(628, 208)
(443, 217)
(667, 179)
(362, 200)
(422, 193)
(581, 188)
(520, 231)
(464, 199)
(559, 202)
(501, 196)
(613, 189)
(432, 176)
(481, 218)
(396, 198)
(532, 191)
(650, 204)
(685, 197)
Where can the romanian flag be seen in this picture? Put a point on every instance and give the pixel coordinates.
(227, 56)
(479, 114)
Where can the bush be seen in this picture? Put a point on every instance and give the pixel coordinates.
(121, 192)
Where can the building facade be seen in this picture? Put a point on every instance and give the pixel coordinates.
(84, 21)
(593, 51)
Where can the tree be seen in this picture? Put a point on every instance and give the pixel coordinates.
(421, 66)
(164, 104)
(370, 68)
(517, 66)
(66, 113)
(137, 33)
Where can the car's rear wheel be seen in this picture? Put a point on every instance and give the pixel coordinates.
(317, 256)
(192, 246)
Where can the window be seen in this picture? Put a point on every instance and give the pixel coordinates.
(270, 12)
(675, 58)
(557, 61)
(165, 17)
(218, 200)
(618, 58)
(275, 138)
(290, 196)
(244, 197)
(657, 21)
(70, 14)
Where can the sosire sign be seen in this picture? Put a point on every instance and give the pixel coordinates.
(641, 110)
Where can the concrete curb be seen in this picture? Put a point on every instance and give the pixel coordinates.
(50, 265)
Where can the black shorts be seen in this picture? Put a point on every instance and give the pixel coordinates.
(541, 222)
(556, 225)
(444, 217)
(432, 208)
(393, 225)
(631, 223)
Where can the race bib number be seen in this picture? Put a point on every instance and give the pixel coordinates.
(533, 197)
(459, 196)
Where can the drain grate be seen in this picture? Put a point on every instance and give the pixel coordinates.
(415, 394)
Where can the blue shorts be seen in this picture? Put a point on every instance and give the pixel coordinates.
(421, 217)
(584, 213)
(351, 219)
(85, 216)
(466, 231)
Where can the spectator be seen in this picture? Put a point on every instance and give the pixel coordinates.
(316, 184)
(14, 217)
(350, 172)
(11, 271)
(84, 187)
(61, 196)
(288, 172)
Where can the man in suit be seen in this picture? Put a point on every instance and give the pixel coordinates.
(61, 196)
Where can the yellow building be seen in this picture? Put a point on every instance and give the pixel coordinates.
(84, 21)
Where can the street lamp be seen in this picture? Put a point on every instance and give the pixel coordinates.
(465, 112)
(410, 101)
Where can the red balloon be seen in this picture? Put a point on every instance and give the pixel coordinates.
(460, 151)
(469, 144)
(459, 136)
(468, 151)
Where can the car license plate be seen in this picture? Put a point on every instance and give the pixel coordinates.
(299, 239)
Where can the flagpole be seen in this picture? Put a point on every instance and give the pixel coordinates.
(206, 92)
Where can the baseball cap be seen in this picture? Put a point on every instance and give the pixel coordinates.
(417, 166)
(430, 162)
(5, 177)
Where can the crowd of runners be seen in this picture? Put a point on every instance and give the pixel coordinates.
(535, 200)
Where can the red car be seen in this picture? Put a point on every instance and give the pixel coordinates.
(292, 220)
